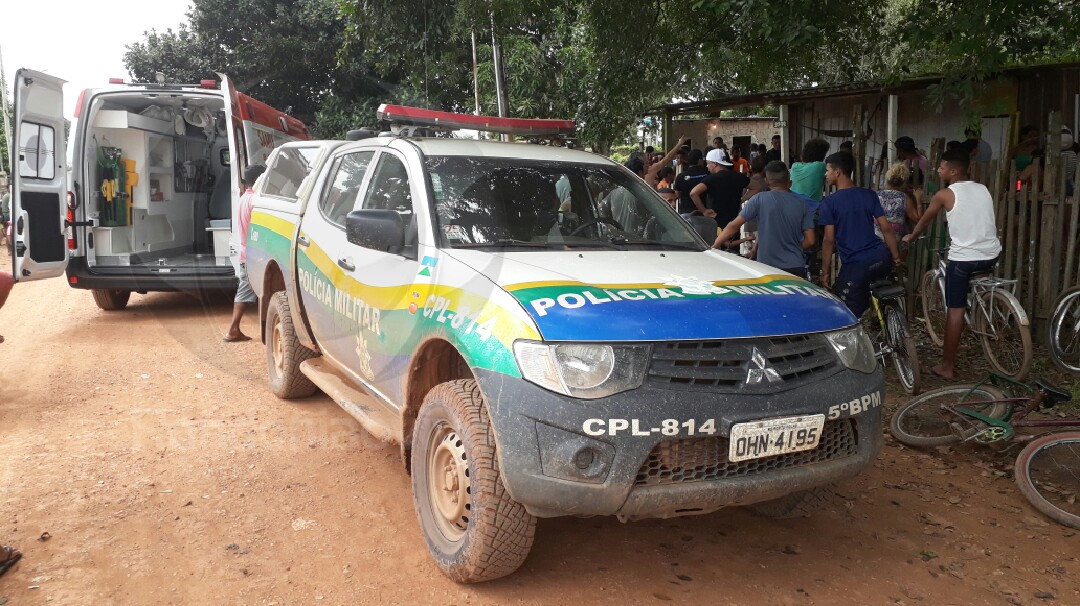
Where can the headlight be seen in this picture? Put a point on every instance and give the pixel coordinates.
(854, 349)
(582, 370)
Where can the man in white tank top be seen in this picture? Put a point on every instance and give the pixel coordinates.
(974, 246)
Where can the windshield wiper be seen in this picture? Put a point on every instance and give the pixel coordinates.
(615, 243)
(504, 243)
(679, 245)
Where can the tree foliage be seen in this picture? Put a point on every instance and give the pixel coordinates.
(603, 63)
(281, 52)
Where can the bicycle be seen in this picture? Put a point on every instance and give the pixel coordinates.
(993, 313)
(1047, 471)
(1063, 338)
(894, 339)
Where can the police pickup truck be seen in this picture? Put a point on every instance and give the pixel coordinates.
(544, 336)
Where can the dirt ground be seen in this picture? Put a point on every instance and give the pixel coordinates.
(164, 472)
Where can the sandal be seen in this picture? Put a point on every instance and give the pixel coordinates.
(10, 556)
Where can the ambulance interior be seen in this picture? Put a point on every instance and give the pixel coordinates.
(157, 182)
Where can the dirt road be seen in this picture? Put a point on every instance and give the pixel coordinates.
(165, 473)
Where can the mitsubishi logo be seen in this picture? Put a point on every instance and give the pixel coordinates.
(758, 370)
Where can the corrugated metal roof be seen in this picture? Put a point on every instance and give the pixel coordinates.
(824, 92)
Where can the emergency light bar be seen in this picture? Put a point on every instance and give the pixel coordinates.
(415, 116)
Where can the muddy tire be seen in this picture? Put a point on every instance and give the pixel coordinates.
(796, 504)
(111, 300)
(473, 528)
(284, 353)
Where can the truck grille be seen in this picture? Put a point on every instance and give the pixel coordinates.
(705, 459)
(723, 366)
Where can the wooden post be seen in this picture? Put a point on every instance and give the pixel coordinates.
(785, 133)
(1013, 201)
(1021, 236)
(668, 136)
(1049, 236)
(890, 127)
(1031, 233)
(857, 143)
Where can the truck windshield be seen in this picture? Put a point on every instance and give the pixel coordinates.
(485, 202)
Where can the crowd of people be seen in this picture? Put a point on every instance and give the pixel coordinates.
(794, 218)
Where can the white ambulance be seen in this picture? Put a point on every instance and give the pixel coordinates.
(143, 196)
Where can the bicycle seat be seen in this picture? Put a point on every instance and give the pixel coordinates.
(884, 289)
(1054, 395)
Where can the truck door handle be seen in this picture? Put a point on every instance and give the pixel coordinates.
(344, 264)
(303, 241)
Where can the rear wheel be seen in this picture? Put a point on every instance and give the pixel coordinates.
(111, 300)
(1005, 341)
(474, 529)
(920, 422)
(284, 353)
(933, 307)
(904, 355)
(1063, 339)
(1048, 473)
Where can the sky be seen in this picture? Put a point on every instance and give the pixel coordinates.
(82, 42)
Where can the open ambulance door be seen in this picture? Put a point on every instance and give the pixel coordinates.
(39, 178)
(237, 159)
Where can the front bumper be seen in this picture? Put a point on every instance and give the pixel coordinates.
(564, 456)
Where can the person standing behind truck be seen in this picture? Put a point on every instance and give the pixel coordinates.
(785, 223)
(694, 173)
(5, 214)
(974, 245)
(849, 215)
(723, 186)
(244, 293)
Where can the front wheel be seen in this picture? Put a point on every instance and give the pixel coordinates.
(1006, 342)
(474, 529)
(111, 300)
(933, 307)
(284, 353)
(905, 355)
(1048, 473)
(1063, 339)
(921, 423)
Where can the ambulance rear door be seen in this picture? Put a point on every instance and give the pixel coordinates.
(39, 178)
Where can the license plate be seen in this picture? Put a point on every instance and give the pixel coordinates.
(771, 437)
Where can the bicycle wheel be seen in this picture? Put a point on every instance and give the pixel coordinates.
(1063, 338)
(1005, 341)
(1048, 473)
(933, 307)
(904, 355)
(920, 422)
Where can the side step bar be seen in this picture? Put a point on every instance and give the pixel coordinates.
(363, 406)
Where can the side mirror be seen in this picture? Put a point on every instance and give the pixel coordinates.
(375, 229)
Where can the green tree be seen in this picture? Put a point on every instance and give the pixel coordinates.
(600, 62)
(283, 52)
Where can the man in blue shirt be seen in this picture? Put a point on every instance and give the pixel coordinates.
(848, 216)
(785, 223)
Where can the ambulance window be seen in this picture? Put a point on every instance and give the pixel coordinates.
(37, 151)
(339, 199)
(389, 189)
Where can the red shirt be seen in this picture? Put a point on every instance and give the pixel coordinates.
(245, 221)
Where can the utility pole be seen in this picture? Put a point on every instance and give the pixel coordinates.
(475, 74)
(500, 85)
